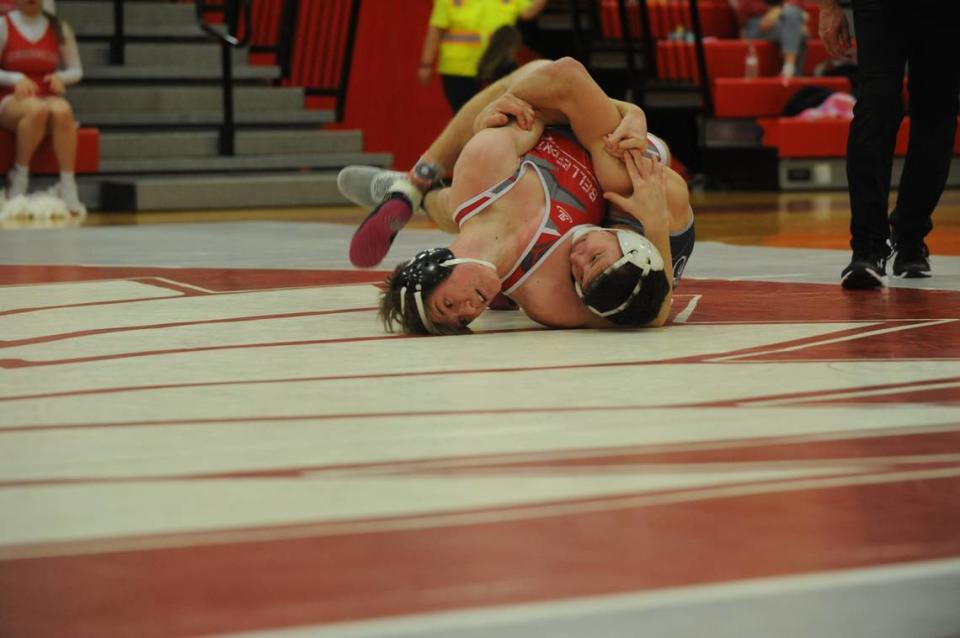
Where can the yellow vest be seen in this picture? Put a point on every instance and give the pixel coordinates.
(467, 25)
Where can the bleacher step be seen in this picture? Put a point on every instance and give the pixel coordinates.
(166, 54)
(107, 120)
(180, 99)
(122, 145)
(143, 74)
(226, 191)
(219, 163)
(90, 18)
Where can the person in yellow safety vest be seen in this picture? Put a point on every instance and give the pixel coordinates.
(460, 29)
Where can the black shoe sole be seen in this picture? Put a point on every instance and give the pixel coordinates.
(861, 280)
(912, 274)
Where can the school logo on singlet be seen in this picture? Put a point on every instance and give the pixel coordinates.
(563, 215)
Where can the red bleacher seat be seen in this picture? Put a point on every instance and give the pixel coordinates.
(45, 162)
(758, 97)
(798, 138)
(676, 60)
(716, 18)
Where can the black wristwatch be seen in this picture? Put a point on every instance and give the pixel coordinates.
(427, 172)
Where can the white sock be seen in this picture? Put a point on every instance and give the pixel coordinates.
(18, 180)
(68, 193)
(68, 185)
(789, 70)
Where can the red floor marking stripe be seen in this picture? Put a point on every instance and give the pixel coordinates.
(214, 279)
(23, 363)
(177, 324)
(19, 311)
(26, 363)
(272, 584)
(903, 451)
(821, 395)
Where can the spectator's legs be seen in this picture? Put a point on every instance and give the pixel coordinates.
(933, 51)
(28, 119)
(63, 129)
(788, 31)
(876, 119)
(791, 31)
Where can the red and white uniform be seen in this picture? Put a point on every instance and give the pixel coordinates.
(571, 190)
(35, 60)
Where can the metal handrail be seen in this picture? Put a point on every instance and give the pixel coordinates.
(118, 41)
(228, 41)
(705, 93)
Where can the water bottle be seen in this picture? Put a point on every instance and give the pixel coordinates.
(751, 64)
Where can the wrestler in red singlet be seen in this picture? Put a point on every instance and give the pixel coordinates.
(571, 190)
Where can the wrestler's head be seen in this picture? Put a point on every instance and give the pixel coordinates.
(618, 274)
(437, 293)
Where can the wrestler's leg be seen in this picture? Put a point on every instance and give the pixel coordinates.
(403, 194)
(437, 206)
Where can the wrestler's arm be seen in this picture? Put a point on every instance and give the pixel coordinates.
(566, 87)
(447, 147)
(491, 155)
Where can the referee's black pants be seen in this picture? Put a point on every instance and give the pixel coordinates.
(890, 34)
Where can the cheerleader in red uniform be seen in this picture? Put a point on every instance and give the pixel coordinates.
(34, 45)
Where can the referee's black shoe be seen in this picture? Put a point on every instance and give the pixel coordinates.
(865, 272)
(911, 260)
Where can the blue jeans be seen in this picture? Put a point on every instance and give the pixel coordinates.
(787, 31)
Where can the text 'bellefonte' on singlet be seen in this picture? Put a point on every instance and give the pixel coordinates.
(571, 190)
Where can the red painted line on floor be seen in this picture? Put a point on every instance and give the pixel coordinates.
(213, 279)
(903, 451)
(176, 324)
(824, 395)
(245, 586)
(19, 311)
(23, 363)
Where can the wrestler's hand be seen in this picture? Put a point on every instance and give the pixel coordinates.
(648, 202)
(25, 88)
(55, 83)
(630, 134)
(499, 112)
(835, 31)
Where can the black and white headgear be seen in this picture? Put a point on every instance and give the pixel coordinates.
(637, 250)
(422, 274)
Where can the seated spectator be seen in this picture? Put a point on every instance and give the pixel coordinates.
(781, 21)
(34, 45)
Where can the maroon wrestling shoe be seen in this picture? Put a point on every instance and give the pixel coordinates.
(371, 243)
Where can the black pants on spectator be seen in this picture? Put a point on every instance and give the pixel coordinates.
(458, 89)
(890, 33)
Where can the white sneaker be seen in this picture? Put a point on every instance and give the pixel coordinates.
(367, 186)
(71, 199)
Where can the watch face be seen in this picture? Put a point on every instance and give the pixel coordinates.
(426, 172)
